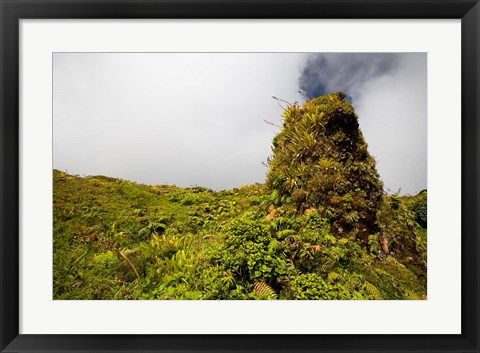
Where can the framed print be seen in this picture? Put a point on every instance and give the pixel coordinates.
(236, 176)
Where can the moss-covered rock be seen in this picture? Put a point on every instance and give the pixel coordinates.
(320, 159)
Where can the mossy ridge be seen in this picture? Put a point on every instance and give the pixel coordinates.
(191, 244)
(320, 160)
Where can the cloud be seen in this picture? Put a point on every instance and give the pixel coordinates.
(392, 111)
(169, 118)
(346, 72)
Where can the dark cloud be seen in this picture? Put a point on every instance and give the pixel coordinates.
(346, 72)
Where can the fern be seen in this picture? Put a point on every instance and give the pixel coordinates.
(275, 245)
(333, 276)
(372, 291)
(264, 290)
(374, 244)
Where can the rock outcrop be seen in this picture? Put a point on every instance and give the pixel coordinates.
(320, 159)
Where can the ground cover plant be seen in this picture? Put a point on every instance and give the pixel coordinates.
(320, 227)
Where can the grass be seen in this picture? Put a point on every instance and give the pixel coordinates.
(115, 239)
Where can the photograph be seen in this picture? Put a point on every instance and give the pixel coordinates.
(236, 176)
(239, 175)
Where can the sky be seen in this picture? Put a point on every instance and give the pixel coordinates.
(199, 118)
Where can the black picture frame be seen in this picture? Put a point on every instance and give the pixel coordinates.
(11, 11)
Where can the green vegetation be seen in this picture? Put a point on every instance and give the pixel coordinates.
(321, 227)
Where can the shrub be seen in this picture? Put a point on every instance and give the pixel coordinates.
(419, 208)
(313, 286)
(251, 253)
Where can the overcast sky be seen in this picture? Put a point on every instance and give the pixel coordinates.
(198, 118)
